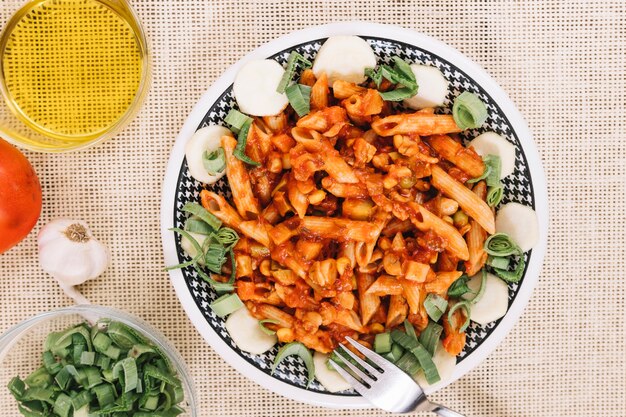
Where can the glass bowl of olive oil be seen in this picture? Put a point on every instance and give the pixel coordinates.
(72, 72)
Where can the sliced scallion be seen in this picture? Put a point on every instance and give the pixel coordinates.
(235, 119)
(481, 290)
(264, 329)
(468, 111)
(430, 336)
(495, 167)
(410, 330)
(459, 287)
(494, 195)
(465, 305)
(401, 74)
(498, 262)
(226, 304)
(214, 162)
(408, 363)
(500, 244)
(515, 275)
(395, 354)
(227, 237)
(240, 149)
(435, 306)
(299, 97)
(219, 287)
(292, 62)
(382, 343)
(196, 225)
(199, 211)
(298, 349)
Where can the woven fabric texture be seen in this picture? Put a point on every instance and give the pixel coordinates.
(562, 62)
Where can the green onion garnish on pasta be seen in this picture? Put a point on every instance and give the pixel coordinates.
(214, 162)
(292, 62)
(195, 224)
(199, 211)
(498, 262)
(401, 74)
(299, 97)
(466, 306)
(420, 353)
(430, 336)
(298, 349)
(459, 287)
(226, 304)
(481, 290)
(435, 306)
(410, 330)
(494, 195)
(235, 119)
(264, 329)
(242, 139)
(469, 111)
(500, 244)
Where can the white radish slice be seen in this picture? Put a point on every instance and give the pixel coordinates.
(490, 143)
(344, 58)
(520, 223)
(445, 364)
(331, 380)
(432, 88)
(207, 139)
(247, 334)
(189, 248)
(255, 88)
(495, 300)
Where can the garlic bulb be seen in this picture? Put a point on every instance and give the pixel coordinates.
(69, 252)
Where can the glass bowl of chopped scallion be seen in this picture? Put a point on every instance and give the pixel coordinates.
(87, 360)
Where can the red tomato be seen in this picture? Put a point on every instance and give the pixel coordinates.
(20, 196)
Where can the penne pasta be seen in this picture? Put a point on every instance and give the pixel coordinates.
(319, 93)
(476, 237)
(471, 204)
(465, 158)
(239, 180)
(421, 124)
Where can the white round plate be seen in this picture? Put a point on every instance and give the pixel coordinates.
(527, 186)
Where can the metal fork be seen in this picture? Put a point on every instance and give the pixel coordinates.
(388, 387)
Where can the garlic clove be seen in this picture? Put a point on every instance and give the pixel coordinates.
(69, 252)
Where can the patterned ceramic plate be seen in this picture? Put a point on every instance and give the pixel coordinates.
(526, 186)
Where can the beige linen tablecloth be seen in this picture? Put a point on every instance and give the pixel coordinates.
(563, 64)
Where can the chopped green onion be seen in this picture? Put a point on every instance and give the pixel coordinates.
(469, 111)
(382, 343)
(50, 362)
(398, 94)
(226, 304)
(75, 389)
(129, 367)
(435, 306)
(217, 286)
(498, 262)
(410, 330)
(495, 165)
(298, 349)
(215, 257)
(39, 378)
(485, 174)
(264, 329)
(500, 244)
(63, 405)
(196, 225)
(494, 195)
(515, 275)
(408, 363)
(427, 364)
(395, 354)
(465, 305)
(196, 245)
(235, 119)
(240, 149)
(401, 74)
(406, 341)
(17, 387)
(214, 162)
(430, 336)
(292, 61)
(227, 237)
(459, 287)
(199, 211)
(299, 97)
(481, 289)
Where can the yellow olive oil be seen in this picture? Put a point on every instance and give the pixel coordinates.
(71, 69)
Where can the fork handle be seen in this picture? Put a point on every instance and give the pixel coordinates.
(442, 411)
